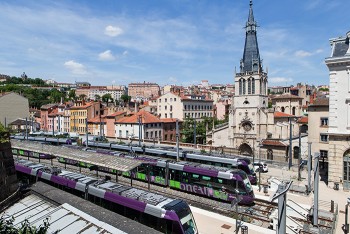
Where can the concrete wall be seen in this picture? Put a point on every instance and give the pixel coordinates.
(12, 107)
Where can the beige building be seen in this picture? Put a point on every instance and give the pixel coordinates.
(12, 107)
(318, 129)
(339, 112)
(288, 103)
(143, 91)
(171, 105)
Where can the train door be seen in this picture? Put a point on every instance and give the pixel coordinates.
(346, 170)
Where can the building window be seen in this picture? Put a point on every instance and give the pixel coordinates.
(171, 115)
(324, 121)
(171, 108)
(166, 107)
(293, 110)
(120, 133)
(165, 100)
(166, 115)
(253, 85)
(171, 99)
(126, 133)
(323, 153)
(249, 86)
(244, 87)
(282, 109)
(324, 137)
(174, 99)
(240, 86)
(160, 100)
(269, 154)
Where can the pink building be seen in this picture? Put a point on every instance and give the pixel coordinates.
(222, 108)
(110, 122)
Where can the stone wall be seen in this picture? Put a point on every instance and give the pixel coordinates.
(8, 178)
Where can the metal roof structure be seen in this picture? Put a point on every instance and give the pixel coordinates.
(64, 218)
(102, 160)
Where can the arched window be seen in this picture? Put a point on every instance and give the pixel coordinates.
(293, 110)
(261, 86)
(282, 109)
(240, 86)
(249, 86)
(244, 87)
(253, 85)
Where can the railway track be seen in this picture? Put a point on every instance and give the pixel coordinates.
(257, 214)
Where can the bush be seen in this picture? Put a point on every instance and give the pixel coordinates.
(6, 226)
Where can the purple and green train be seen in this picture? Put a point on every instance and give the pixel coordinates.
(209, 181)
(162, 213)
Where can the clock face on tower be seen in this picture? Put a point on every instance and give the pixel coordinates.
(247, 126)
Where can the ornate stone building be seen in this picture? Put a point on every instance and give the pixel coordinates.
(339, 111)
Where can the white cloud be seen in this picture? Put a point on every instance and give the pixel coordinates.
(113, 31)
(172, 80)
(280, 80)
(106, 56)
(75, 68)
(125, 53)
(302, 53)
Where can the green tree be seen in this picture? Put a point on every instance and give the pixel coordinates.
(126, 99)
(71, 95)
(107, 98)
(97, 97)
(82, 97)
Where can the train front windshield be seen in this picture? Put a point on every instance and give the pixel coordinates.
(188, 224)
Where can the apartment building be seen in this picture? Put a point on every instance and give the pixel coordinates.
(171, 105)
(82, 111)
(143, 91)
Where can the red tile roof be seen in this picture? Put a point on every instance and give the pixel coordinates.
(273, 143)
(281, 115)
(146, 117)
(303, 120)
(169, 120)
(286, 96)
(97, 119)
(116, 114)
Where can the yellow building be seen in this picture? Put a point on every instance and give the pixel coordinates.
(80, 113)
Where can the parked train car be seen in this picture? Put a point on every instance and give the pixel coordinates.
(50, 140)
(209, 181)
(235, 162)
(160, 212)
(31, 154)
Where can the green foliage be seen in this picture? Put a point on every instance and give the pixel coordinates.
(201, 129)
(125, 98)
(323, 89)
(107, 98)
(3, 134)
(6, 226)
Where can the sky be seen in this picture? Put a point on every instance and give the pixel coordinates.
(115, 42)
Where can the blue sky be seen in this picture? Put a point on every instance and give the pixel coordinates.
(179, 42)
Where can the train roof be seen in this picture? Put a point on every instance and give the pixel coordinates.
(116, 188)
(109, 161)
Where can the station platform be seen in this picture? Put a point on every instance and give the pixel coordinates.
(209, 222)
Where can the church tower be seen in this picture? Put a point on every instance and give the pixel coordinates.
(250, 101)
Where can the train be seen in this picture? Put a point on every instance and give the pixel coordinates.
(209, 181)
(236, 162)
(157, 211)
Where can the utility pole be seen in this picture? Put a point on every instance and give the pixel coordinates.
(27, 130)
(177, 140)
(53, 126)
(86, 133)
(139, 121)
(316, 180)
(59, 123)
(194, 133)
(299, 157)
(290, 143)
(309, 165)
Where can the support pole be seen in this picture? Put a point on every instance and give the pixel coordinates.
(194, 133)
(177, 140)
(148, 178)
(316, 180)
(59, 123)
(139, 121)
(26, 129)
(346, 220)
(299, 157)
(309, 164)
(290, 143)
(282, 206)
(87, 133)
(53, 127)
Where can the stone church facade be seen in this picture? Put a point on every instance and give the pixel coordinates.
(254, 129)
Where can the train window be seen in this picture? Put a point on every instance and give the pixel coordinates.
(195, 178)
(184, 177)
(206, 178)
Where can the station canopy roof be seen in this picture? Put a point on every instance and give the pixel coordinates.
(98, 159)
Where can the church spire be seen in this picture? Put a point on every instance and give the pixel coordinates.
(251, 58)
